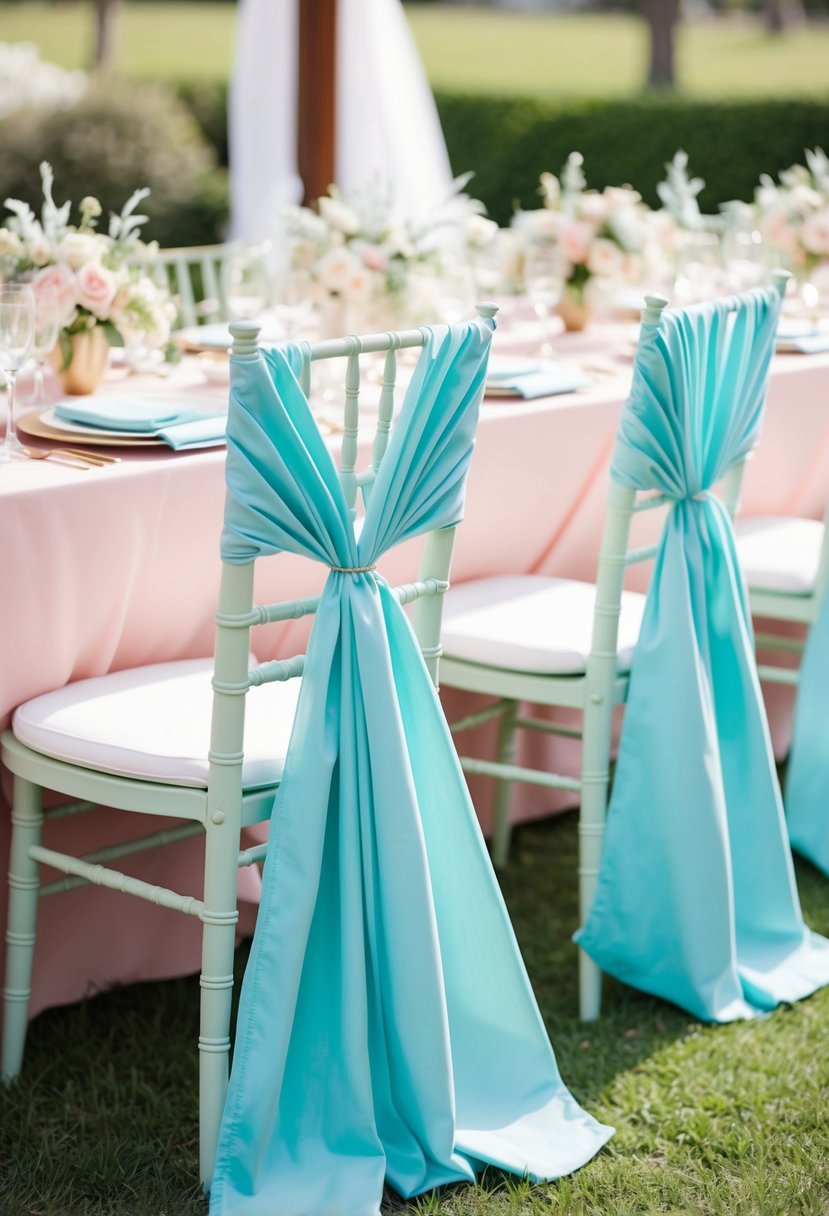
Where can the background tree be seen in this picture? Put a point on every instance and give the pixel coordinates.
(107, 15)
(662, 17)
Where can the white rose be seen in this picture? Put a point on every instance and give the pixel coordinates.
(76, 248)
(336, 268)
(40, 251)
(10, 244)
(604, 258)
(339, 216)
(540, 224)
(480, 231)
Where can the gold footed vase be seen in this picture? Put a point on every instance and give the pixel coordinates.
(575, 312)
(88, 365)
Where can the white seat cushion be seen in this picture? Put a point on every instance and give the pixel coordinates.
(779, 553)
(529, 623)
(153, 723)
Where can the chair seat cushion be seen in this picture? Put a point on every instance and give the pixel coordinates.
(530, 623)
(779, 553)
(153, 723)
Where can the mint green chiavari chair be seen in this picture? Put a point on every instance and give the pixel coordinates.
(785, 562)
(199, 279)
(147, 741)
(550, 642)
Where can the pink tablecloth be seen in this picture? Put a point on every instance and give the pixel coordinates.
(106, 569)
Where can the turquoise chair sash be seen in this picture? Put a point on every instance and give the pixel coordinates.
(387, 1029)
(696, 900)
(807, 779)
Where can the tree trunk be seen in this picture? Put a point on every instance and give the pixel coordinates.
(780, 13)
(662, 17)
(106, 33)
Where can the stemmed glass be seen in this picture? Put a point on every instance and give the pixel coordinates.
(46, 330)
(293, 300)
(17, 330)
(246, 286)
(456, 293)
(544, 284)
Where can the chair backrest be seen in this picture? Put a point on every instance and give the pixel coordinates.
(196, 277)
(237, 612)
(695, 882)
(626, 500)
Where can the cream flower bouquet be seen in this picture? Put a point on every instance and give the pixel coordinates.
(363, 258)
(96, 279)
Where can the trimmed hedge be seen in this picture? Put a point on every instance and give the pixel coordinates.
(509, 142)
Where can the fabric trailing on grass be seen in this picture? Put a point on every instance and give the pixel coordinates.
(387, 1029)
(807, 776)
(696, 899)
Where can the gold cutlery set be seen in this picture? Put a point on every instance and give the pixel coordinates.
(78, 458)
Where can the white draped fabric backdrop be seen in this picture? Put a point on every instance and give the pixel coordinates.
(387, 127)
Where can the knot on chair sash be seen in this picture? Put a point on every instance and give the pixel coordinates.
(352, 569)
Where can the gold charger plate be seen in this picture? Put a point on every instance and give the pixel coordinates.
(33, 424)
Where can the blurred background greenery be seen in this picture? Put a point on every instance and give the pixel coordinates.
(745, 88)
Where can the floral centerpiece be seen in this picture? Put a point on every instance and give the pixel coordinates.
(602, 236)
(366, 261)
(793, 216)
(102, 293)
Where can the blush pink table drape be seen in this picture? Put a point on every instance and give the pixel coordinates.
(112, 568)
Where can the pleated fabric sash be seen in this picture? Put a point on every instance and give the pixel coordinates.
(696, 900)
(387, 1029)
(807, 778)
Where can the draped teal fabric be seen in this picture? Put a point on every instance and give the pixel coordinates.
(696, 900)
(807, 778)
(387, 1030)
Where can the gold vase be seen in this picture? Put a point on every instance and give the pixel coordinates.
(87, 367)
(575, 311)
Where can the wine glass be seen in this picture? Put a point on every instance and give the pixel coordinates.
(46, 330)
(17, 330)
(293, 299)
(456, 293)
(246, 286)
(544, 284)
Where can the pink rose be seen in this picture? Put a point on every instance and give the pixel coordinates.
(815, 232)
(575, 242)
(59, 282)
(96, 289)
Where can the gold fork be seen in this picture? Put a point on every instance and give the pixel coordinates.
(77, 456)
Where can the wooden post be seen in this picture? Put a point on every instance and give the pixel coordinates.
(317, 95)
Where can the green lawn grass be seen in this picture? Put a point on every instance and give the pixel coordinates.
(717, 1121)
(462, 48)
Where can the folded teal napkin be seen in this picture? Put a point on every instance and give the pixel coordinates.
(127, 414)
(805, 344)
(537, 382)
(201, 433)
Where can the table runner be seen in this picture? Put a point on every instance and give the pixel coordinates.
(696, 899)
(387, 1029)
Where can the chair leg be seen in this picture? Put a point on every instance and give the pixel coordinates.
(598, 716)
(24, 889)
(591, 833)
(216, 981)
(505, 754)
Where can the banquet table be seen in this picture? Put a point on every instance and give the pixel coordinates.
(108, 568)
